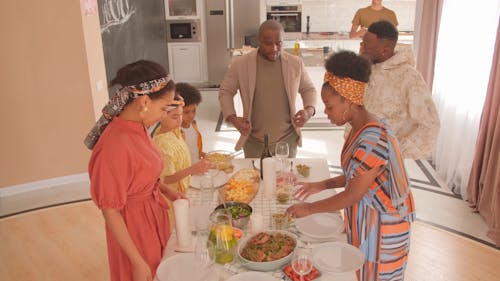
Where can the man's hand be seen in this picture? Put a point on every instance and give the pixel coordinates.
(241, 123)
(302, 116)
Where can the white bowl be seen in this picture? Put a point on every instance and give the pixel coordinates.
(269, 265)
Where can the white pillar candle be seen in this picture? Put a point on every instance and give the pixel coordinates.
(256, 222)
(182, 223)
(269, 177)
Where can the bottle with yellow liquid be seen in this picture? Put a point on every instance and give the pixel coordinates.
(222, 236)
(296, 47)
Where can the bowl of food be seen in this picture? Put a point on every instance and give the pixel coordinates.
(268, 250)
(240, 213)
(220, 160)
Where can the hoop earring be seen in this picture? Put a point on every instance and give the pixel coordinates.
(344, 119)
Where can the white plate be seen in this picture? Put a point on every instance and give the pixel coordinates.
(251, 276)
(220, 178)
(179, 267)
(320, 225)
(321, 195)
(337, 257)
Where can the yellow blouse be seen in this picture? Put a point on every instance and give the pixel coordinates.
(176, 155)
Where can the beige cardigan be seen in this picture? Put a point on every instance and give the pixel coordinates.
(241, 76)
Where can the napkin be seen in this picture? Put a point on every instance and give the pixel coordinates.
(182, 223)
(269, 177)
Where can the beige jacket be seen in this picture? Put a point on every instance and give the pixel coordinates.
(398, 93)
(241, 76)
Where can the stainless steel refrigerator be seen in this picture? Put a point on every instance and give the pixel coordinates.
(228, 22)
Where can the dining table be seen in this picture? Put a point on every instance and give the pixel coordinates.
(265, 205)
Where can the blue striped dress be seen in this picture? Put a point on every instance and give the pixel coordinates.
(379, 224)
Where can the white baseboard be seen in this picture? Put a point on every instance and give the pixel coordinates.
(43, 184)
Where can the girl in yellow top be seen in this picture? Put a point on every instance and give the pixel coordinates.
(189, 128)
(177, 167)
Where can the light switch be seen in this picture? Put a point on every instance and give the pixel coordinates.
(99, 85)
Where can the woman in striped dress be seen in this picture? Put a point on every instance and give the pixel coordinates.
(377, 200)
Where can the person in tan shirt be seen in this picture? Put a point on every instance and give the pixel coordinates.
(366, 16)
(268, 81)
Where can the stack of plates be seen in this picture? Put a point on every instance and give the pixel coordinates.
(321, 225)
(327, 193)
(179, 267)
(337, 258)
(252, 276)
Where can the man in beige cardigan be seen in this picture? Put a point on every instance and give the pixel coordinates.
(268, 81)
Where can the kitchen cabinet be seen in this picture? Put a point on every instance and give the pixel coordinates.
(182, 9)
(186, 62)
(283, 2)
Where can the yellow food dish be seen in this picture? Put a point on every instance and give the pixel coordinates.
(220, 161)
(242, 187)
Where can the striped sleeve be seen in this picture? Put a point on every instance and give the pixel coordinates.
(371, 152)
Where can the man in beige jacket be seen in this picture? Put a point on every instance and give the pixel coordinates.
(268, 81)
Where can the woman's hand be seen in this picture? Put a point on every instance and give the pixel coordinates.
(141, 271)
(171, 192)
(308, 188)
(299, 210)
(200, 167)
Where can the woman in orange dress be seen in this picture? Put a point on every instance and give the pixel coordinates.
(377, 200)
(124, 171)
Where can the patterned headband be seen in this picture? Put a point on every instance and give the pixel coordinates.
(118, 101)
(178, 101)
(148, 87)
(348, 88)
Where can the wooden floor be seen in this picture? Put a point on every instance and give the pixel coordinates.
(68, 243)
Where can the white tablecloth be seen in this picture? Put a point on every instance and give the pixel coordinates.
(318, 171)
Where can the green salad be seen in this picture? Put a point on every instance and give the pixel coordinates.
(238, 211)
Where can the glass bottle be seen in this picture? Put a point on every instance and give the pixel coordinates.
(296, 47)
(265, 154)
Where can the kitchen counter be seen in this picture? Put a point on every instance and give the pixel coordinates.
(312, 56)
(336, 36)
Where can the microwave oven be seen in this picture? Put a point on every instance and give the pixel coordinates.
(183, 31)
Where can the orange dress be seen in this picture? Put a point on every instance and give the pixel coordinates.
(124, 171)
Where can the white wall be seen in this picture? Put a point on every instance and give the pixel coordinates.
(336, 15)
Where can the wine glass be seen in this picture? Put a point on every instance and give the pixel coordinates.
(302, 263)
(281, 151)
(204, 254)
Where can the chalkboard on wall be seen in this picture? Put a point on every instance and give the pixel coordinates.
(132, 30)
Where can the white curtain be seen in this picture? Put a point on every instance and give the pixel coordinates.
(463, 60)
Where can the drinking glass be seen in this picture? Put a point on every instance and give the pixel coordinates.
(207, 188)
(302, 263)
(284, 187)
(204, 254)
(281, 152)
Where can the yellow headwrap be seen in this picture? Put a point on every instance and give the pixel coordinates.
(348, 88)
